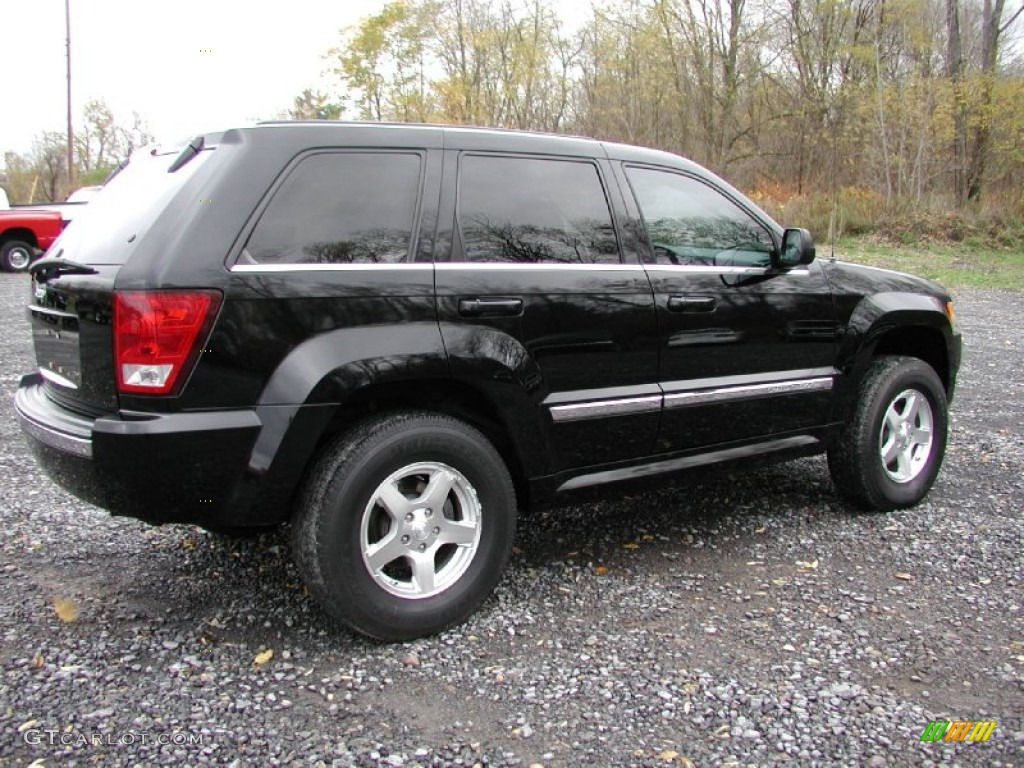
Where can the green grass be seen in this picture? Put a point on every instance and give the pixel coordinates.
(953, 265)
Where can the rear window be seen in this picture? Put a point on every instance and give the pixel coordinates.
(104, 229)
(534, 211)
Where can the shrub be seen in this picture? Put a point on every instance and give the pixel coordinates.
(995, 223)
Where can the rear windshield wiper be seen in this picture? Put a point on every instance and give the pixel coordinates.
(52, 266)
(192, 149)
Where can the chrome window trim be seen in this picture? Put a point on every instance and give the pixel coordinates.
(599, 409)
(448, 266)
(709, 270)
(496, 265)
(416, 266)
(725, 394)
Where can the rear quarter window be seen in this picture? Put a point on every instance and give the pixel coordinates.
(340, 208)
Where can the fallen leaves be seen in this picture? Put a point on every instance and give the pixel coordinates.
(263, 657)
(66, 609)
(809, 565)
(601, 570)
(666, 756)
(903, 576)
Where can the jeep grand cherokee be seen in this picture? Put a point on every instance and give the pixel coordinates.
(395, 337)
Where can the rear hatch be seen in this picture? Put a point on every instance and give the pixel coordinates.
(72, 304)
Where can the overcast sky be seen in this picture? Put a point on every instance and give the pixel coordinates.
(185, 66)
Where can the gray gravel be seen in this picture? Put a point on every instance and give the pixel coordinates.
(751, 620)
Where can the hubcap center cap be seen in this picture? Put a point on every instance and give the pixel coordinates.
(419, 528)
(903, 437)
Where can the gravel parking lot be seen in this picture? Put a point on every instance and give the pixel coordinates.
(752, 620)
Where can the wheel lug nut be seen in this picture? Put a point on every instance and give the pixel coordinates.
(428, 512)
(405, 539)
(408, 518)
(423, 547)
(437, 530)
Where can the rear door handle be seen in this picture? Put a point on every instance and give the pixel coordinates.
(490, 307)
(691, 304)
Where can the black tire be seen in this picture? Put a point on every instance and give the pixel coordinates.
(343, 522)
(862, 469)
(16, 255)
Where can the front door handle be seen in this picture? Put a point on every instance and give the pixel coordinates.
(691, 304)
(490, 307)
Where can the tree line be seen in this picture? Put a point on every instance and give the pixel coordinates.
(885, 103)
(101, 142)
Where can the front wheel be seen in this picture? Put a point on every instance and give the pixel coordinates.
(405, 524)
(15, 256)
(892, 445)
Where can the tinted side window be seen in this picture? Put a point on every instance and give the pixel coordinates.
(340, 208)
(528, 210)
(693, 224)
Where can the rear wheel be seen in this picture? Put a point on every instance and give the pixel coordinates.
(405, 524)
(890, 450)
(15, 256)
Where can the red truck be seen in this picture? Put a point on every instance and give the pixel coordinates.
(24, 233)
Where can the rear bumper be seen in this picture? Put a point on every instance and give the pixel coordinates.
(161, 468)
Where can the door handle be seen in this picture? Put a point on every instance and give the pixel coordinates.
(490, 307)
(691, 304)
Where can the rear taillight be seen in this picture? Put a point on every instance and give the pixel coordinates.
(157, 336)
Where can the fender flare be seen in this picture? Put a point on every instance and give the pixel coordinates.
(873, 318)
(324, 372)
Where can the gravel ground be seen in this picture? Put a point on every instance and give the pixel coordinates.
(750, 621)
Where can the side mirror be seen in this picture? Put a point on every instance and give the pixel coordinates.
(797, 248)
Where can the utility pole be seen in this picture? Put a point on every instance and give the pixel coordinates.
(71, 131)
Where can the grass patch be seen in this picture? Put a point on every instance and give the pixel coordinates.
(960, 265)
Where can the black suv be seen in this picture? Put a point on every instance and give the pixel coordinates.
(397, 336)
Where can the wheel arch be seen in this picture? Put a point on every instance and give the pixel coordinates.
(454, 397)
(306, 431)
(19, 233)
(899, 323)
(924, 342)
